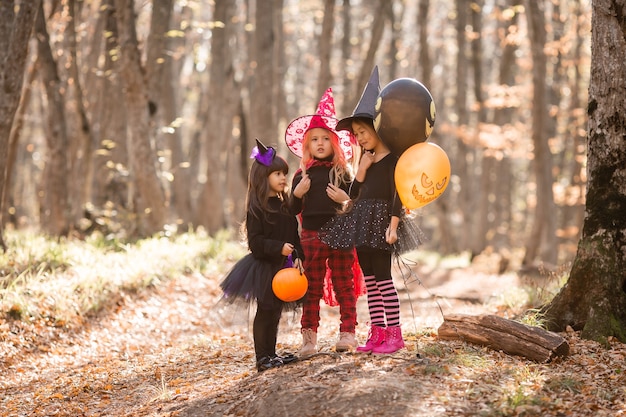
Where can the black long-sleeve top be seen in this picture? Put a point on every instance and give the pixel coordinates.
(316, 207)
(379, 184)
(267, 237)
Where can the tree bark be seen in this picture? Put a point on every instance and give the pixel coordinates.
(149, 200)
(480, 214)
(464, 155)
(111, 183)
(424, 53)
(542, 238)
(12, 180)
(594, 297)
(262, 100)
(15, 30)
(508, 336)
(217, 130)
(183, 182)
(325, 43)
(54, 190)
(503, 116)
(81, 163)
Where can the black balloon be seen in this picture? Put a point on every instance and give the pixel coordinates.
(405, 114)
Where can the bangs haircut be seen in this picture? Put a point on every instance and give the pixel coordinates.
(341, 172)
(278, 164)
(363, 121)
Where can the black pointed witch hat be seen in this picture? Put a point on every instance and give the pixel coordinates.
(366, 107)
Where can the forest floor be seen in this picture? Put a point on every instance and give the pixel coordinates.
(171, 351)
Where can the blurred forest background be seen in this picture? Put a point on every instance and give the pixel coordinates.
(138, 117)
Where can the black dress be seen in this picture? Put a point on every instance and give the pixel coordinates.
(250, 279)
(376, 200)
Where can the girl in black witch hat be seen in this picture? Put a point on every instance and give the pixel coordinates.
(375, 224)
(273, 240)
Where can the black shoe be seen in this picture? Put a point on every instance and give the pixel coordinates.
(267, 362)
(287, 358)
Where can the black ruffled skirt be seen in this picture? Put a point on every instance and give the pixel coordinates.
(249, 281)
(365, 225)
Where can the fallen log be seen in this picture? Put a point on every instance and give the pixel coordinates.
(506, 335)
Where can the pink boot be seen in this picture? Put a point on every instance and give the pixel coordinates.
(376, 337)
(393, 342)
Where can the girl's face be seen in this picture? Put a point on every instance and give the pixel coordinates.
(366, 136)
(320, 143)
(277, 182)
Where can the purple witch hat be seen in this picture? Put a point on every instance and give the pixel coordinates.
(263, 154)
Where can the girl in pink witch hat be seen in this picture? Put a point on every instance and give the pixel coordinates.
(319, 189)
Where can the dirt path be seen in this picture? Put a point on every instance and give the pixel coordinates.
(170, 352)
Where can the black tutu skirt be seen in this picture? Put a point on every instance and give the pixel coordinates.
(249, 281)
(365, 225)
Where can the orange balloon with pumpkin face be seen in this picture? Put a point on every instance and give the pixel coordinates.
(422, 174)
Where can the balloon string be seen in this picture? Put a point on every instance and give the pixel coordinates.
(402, 264)
(409, 276)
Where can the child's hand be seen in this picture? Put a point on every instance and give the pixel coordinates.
(336, 194)
(287, 249)
(367, 159)
(391, 235)
(303, 186)
(297, 263)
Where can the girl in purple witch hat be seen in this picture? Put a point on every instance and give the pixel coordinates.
(273, 240)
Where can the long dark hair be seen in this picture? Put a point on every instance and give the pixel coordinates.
(257, 198)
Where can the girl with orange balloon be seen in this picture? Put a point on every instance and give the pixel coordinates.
(272, 235)
(374, 224)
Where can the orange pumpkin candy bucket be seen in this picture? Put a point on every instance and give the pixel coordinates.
(290, 284)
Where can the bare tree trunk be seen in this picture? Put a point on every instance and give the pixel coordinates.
(542, 239)
(82, 155)
(16, 131)
(325, 43)
(163, 111)
(54, 192)
(462, 166)
(217, 132)
(396, 36)
(424, 54)
(573, 216)
(182, 182)
(111, 179)
(594, 297)
(378, 28)
(347, 104)
(149, 201)
(280, 68)
(480, 215)
(15, 30)
(262, 101)
(503, 117)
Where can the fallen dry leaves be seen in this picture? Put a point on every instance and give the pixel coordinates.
(172, 351)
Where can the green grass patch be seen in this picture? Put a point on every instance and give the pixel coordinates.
(59, 280)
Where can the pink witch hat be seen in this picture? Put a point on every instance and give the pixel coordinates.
(324, 117)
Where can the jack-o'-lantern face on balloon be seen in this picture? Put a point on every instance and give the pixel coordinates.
(422, 174)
